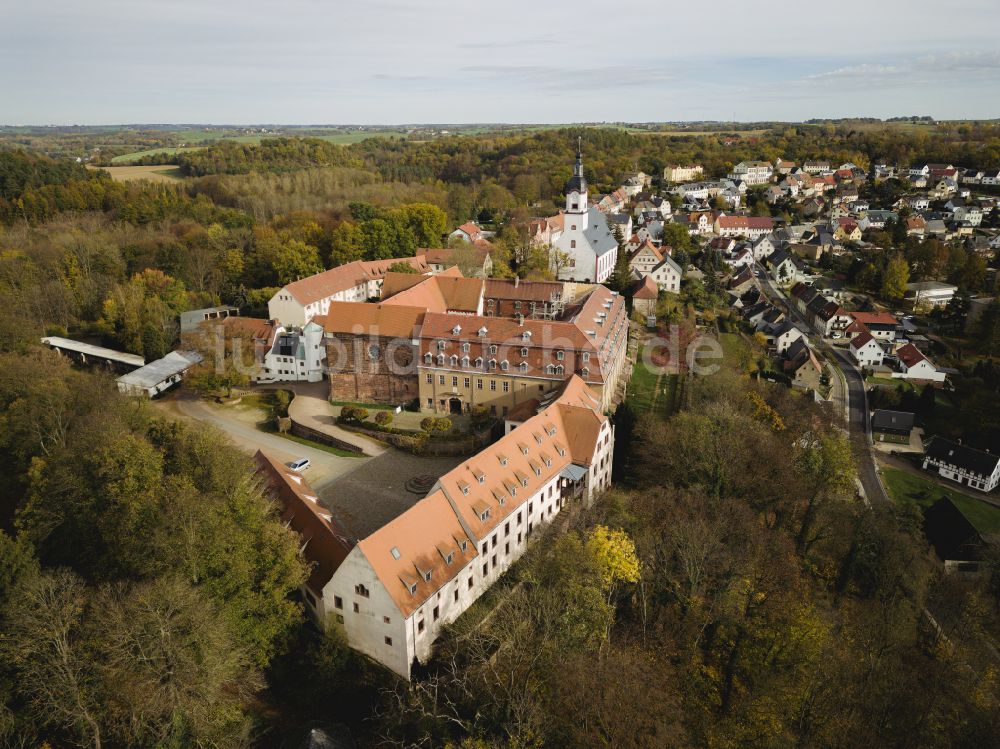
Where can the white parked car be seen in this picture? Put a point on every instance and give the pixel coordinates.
(837, 335)
(300, 465)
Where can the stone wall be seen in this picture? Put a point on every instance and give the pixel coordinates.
(371, 369)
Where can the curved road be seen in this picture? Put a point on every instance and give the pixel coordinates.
(857, 411)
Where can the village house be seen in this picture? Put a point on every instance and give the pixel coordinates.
(677, 173)
(913, 365)
(802, 366)
(751, 227)
(881, 325)
(891, 423)
(962, 464)
(752, 172)
(644, 294)
(866, 351)
(468, 232)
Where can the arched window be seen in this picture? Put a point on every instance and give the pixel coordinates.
(504, 365)
(441, 359)
(550, 369)
(428, 357)
(454, 360)
(523, 366)
(493, 364)
(560, 370)
(572, 244)
(585, 372)
(465, 361)
(560, 355)
(479, 362)
(524, 351)
(493, 349)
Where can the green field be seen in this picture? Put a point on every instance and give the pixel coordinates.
(907, 488)
(651, 392)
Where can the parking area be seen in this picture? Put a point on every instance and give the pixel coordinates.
(374, 493)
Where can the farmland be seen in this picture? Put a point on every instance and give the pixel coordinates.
(161, 173)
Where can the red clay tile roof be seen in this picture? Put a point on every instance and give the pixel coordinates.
(391, 321)
(326, 542)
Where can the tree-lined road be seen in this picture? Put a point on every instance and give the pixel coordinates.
(857, 396)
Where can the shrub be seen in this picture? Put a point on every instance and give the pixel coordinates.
(443, 424)
(281, 400)
(383, 418)
(360, 414)
(427, 423)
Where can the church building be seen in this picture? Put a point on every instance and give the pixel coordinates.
(587, 250)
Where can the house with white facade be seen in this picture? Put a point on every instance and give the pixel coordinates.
(392, 593)
(930, 293)
(866, 350)
(298, 302)
(752, 172)
(913, 365)
(956, 462)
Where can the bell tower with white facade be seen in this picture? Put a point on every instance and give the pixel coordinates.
(576, 192)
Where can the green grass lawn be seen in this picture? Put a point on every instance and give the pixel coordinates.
(129, 158)
(907, 488)
(650, 392)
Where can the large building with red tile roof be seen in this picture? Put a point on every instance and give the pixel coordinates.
(298, 302)
(393, 592)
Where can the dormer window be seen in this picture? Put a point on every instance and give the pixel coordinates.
(465, 361)
(523, 366)
(560, 355)
(502, 459)
(585, 372)
(464, 545)
(493, 364)
(413, 589)
(441, 359)
(504, 365)
(441, 345)
(482, 331)
(559, 369)
(465, 347)
(524, 351)
(428, 357)
(395, 552)
(454, 360)
(526, 335)
(585, 356)
(456, 330)
(447, 559)
(493, 349)
(479, 362)
(484, 515)
(427, 577)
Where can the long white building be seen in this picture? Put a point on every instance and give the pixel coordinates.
(392, 592)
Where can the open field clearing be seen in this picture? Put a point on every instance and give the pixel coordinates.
(156, 173)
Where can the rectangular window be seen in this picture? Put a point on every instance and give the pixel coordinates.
(338, 602)
(420, 626)
(494, 561)
(506, 386)
(518, 538)
(357, 609)
(519, 517)
(506, 548)
(454, 382)
(456, 592)
(430, 379)
(493, 385)
(436, 613)
(494, 541)
(486, 569)
(470, 583)
(467, 382)
(440, 379)
(388, 641)
(386, 620)
(479, 384)
(486, 547)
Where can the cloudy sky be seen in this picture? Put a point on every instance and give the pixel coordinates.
(458, 61)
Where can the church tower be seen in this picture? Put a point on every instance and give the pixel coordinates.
(576, 192)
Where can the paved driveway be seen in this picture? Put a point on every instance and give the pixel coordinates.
(325, 467)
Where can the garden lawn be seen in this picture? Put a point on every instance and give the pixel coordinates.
(907, 488)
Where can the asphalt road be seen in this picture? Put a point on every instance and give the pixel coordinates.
(857, 411)
(326, 467)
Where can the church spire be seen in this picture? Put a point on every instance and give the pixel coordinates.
(577, 183)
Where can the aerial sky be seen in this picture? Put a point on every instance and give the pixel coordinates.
(519, 61)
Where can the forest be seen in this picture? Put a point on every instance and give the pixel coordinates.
(730, 591)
